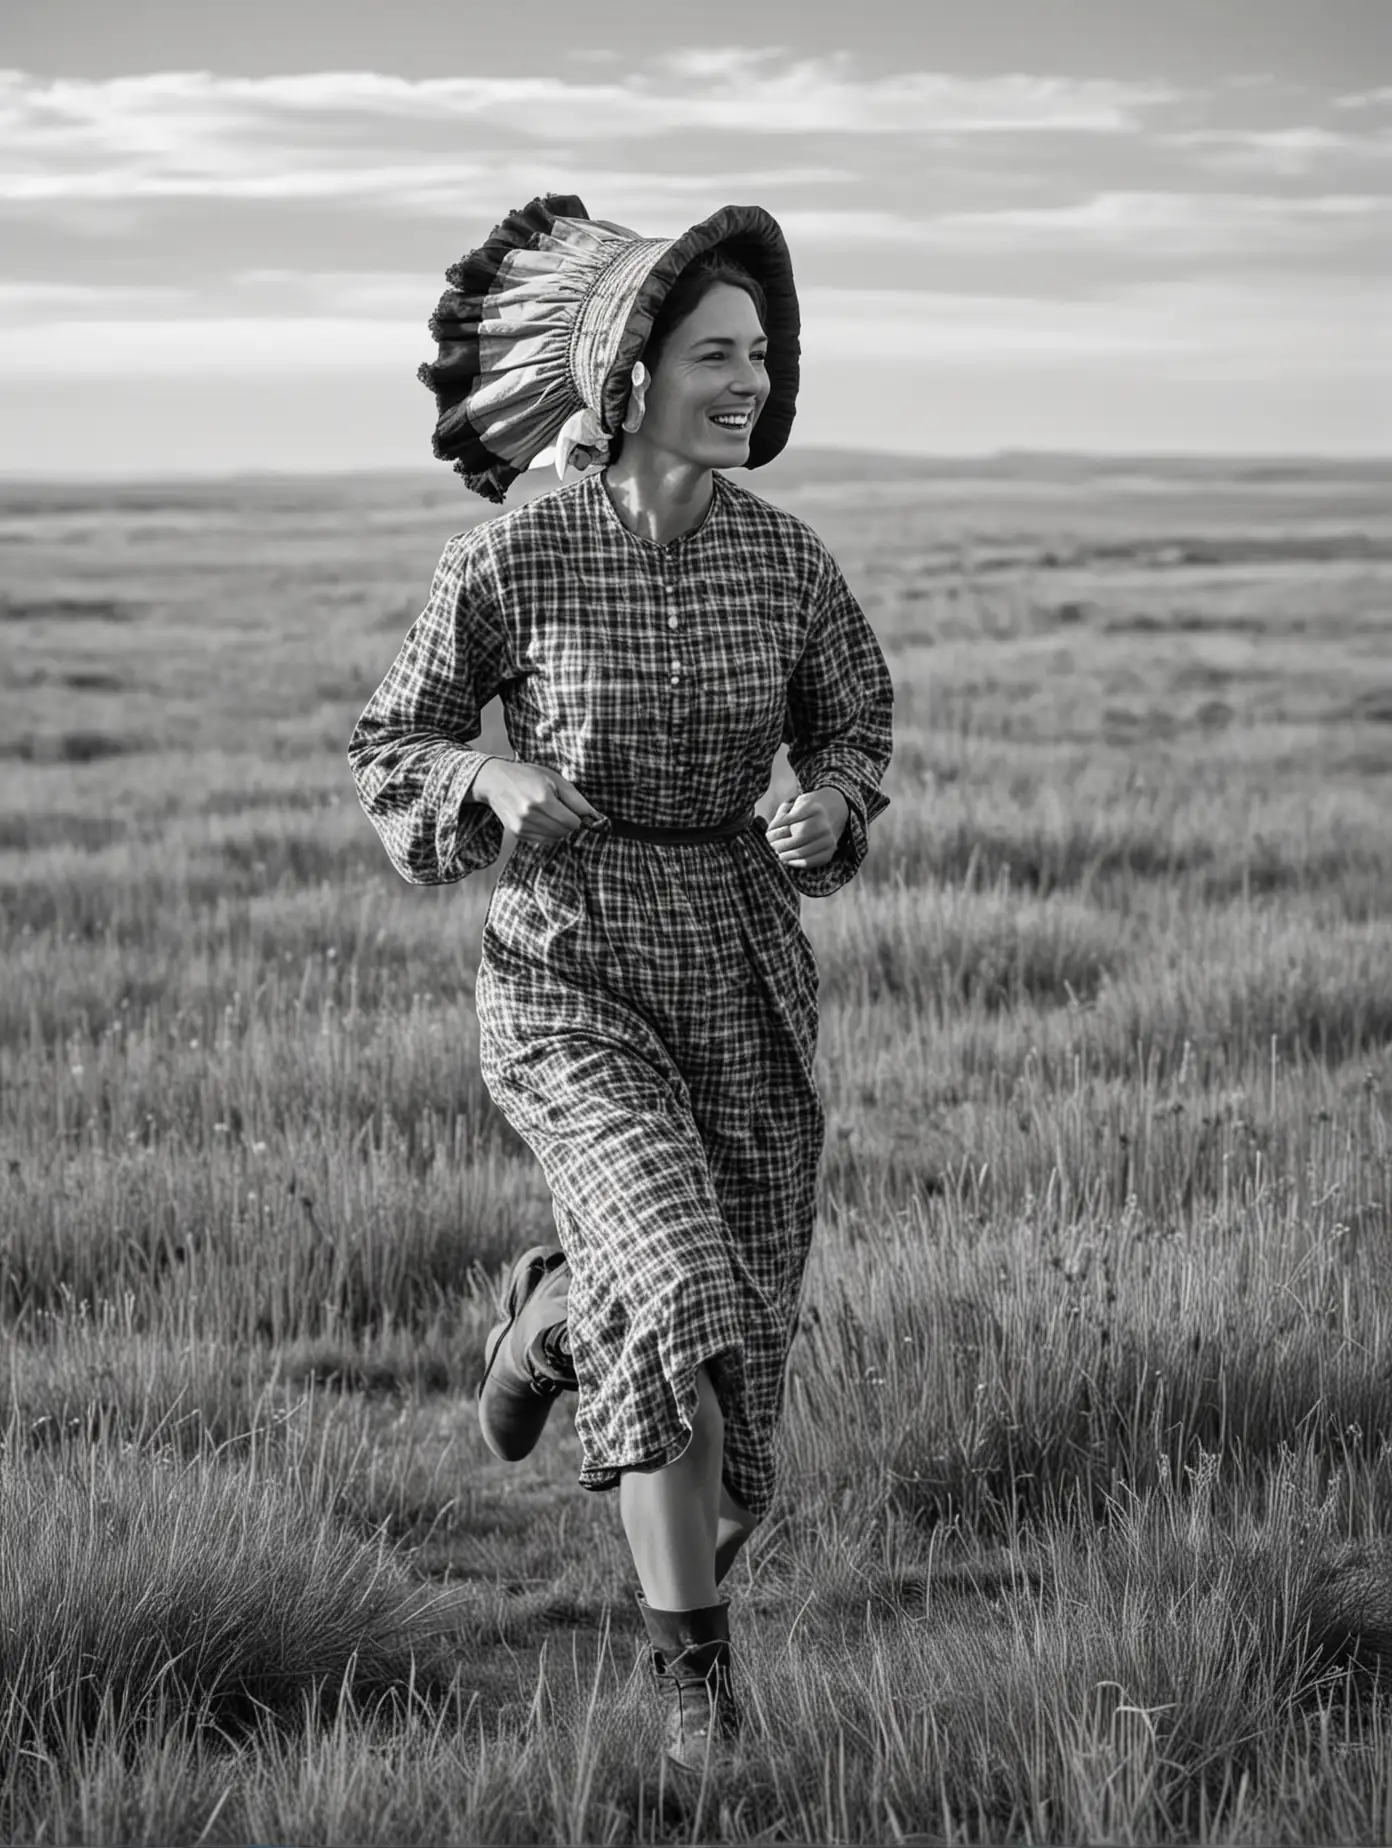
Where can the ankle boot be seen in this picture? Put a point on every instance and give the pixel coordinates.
(692, 1667)
(527, 1361)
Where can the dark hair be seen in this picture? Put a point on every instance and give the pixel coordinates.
(686, 294)
(691, 288)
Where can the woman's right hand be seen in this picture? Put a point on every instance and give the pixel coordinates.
(532, 802)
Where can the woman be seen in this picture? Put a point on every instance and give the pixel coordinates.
(647, 999)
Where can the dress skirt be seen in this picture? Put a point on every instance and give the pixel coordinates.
(648, 1022)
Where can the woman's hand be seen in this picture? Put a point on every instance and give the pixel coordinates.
(532, 802)
(804, 832)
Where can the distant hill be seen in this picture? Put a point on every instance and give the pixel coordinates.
(800, 466)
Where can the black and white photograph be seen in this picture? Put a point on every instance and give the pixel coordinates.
(696, 923)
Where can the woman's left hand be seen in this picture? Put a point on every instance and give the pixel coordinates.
(804, 832)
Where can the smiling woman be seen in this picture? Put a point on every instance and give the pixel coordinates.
(549, 318)
(709, 384)
(713, 337)
(647, 998)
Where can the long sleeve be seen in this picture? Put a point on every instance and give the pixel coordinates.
(839, 722)
(409, 751)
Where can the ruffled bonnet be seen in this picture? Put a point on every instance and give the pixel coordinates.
(548, 317)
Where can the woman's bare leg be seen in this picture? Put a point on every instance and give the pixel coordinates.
(672, 1515)
(735, 1526)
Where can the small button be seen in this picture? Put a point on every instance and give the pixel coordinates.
(676, 680)
(671, 622)
(671, 589)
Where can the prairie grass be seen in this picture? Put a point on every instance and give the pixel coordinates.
(138, 1585)
(1082, 1526)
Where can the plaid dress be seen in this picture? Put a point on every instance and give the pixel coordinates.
(647, 1014)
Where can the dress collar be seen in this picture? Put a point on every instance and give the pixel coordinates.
(718, 490)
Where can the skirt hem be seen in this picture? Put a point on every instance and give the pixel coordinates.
(729, 1383)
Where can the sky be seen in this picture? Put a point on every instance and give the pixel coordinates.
(1098, 225)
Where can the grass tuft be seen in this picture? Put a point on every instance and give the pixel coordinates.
(139, 1590)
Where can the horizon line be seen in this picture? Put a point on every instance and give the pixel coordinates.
(936, 459)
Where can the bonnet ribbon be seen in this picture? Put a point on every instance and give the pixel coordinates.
(583, 430)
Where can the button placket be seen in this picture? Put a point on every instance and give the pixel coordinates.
(674, 666)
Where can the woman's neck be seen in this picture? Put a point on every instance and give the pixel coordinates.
(658, 496)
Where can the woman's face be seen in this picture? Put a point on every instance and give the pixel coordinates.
(709, 384)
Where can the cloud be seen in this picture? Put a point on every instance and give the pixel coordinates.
(1367, 99)
(1185, 215)
(401, 184)
(1162, 224)
(430, 187)
(372, 135)
(1280, 150)
(1196, 330)
(252, 347)
(372, 293)
(928, 325)
(728, 63)
(747, 90)
(25, 302)
(404, 298)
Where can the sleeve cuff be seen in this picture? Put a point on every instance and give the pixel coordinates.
(468, 835)
(845, 863)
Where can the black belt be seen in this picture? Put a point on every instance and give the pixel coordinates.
(687, 837)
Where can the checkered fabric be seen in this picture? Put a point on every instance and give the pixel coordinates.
(648, 1014)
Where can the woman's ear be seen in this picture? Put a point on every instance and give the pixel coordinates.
(637, 398)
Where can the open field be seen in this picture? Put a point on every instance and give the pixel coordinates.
(1085, 1526)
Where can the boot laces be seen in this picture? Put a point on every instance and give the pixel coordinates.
(709, 1692)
